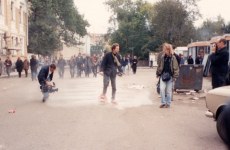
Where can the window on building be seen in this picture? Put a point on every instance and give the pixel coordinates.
(20, 15)
(0, 7)
(12, 10)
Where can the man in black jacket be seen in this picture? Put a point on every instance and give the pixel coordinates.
(45, 77)
(109, 66)
(219, 64)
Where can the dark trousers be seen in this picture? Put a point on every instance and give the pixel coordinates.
(106, 84)
(19, 74)
(218, 81)
(26, 72)
(134, 69)
(94, 69)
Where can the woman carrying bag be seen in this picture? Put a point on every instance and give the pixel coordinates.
(167, 71)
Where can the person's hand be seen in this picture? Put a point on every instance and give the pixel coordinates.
(49, 83)
(119, 74)
(101, 73)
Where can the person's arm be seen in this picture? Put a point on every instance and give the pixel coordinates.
(219, 59)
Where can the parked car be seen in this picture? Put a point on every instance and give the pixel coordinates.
(218, 104)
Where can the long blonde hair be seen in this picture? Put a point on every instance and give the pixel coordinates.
(167, 46)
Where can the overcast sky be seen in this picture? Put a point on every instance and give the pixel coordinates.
(97, 13)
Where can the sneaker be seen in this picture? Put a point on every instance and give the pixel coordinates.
(162, 106)
(43, 100)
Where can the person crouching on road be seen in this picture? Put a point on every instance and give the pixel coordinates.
(167, 70)
(45, 77)
(109, 66)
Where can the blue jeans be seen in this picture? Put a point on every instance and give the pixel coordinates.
(166, 91)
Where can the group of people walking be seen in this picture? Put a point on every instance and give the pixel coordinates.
(20, 66)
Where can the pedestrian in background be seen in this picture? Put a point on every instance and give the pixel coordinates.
(134, 64)
(72, 66)
(79, 62)
(199, 60)
(190, 60)
(167, 71)
(124, 63)
(1, 67)
(61, 66)
(26, 65)
(19, 66)
(95, 64)
(219, 64)
(8, 65)
(87, 66)
(33, 67)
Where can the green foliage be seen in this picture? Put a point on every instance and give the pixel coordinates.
(211, 28)
(141, 27)
(130, 18)
(53, 23)
(172, 23)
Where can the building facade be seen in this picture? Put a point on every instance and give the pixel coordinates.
(13, 28)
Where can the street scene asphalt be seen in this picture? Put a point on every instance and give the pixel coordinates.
(74, 119)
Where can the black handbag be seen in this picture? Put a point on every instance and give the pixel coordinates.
(166, 76)
(158, 86)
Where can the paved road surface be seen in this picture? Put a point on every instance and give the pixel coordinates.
(73, 119)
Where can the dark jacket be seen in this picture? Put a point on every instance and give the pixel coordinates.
(199, 60)
(124, 62)
(219, 67)
(190, 61)
(134, 63)
(108, 65)
(19, 65)
(43, 75)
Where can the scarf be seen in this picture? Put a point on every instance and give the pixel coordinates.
(116, 61)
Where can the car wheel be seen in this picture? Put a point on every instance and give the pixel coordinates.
(223, 128)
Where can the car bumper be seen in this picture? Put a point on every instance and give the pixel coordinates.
(209, 114)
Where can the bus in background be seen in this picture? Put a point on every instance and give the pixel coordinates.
(199, 48)
(183, 51)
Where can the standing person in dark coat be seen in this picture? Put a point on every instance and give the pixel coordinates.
(19, 66)
(94, 65)
(8, 65)
(109, 66)
(199, 60)
(190, 60)
(61, 66)
(134, 64)
(45, 77)
(33, 67)
(26, 65)
(72, 66)
(219, 64)
(79, 62)
(87, 66)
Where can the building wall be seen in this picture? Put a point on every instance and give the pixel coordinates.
(13, 28)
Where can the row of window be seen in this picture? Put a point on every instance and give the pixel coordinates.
(12, 8)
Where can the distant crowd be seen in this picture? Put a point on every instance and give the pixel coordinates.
(78, 66)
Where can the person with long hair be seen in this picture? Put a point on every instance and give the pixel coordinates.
(167, 71)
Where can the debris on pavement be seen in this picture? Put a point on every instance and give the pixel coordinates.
(135, 86)
(11, 111)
